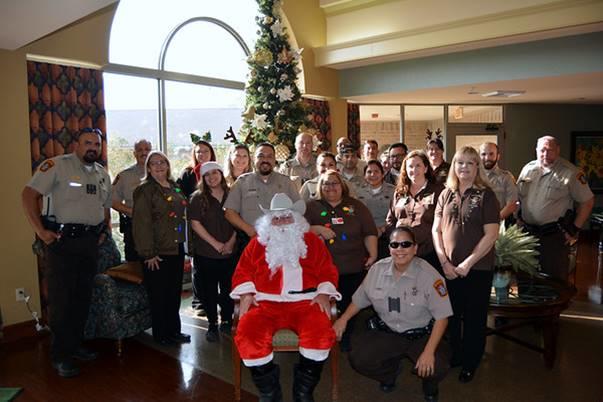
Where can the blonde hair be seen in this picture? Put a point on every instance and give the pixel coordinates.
(481, 180)
(345, 191)
(228, 166)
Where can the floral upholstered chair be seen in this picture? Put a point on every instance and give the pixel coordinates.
(120, 307)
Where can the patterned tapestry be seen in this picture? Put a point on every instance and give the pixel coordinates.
(62, 101)
(354, 123)
(320, 115)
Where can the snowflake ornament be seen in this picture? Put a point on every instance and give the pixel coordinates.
(285, 94)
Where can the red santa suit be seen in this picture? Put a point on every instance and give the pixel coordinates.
(284, 296)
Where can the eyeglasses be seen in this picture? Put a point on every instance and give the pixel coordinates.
(331, 184)
(403, 244)
(158, 163)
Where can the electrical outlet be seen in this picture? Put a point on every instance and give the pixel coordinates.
(20, 294)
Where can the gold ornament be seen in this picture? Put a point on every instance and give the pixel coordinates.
(249, 113)
(282, 152)
(263, 57)
(272, 137)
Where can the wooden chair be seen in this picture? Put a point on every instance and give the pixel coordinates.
(284, 340)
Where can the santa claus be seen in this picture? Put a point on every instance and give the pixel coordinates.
(285, 279)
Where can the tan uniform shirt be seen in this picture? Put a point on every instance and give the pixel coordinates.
(420, 293)
(545, 196)
(377, 202)
(125, 182)
(77, 193)
(249, 192)
(294, 168)
(503, 185)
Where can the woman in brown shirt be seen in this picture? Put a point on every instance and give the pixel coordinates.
(214, 245)
(158, 228)
(435, 152)
(414, 203)
(349, 231)
(464, 231)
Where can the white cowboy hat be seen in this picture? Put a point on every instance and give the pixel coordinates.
(282, 202)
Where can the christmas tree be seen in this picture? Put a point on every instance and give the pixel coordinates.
(275, 111)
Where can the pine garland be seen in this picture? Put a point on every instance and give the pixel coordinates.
(275, 111)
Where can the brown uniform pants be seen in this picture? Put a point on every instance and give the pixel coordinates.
(378, 355)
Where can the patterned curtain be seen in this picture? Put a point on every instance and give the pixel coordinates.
(320, 116)
(354, 123)
(62, 101)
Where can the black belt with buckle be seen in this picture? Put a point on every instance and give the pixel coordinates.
(73, 230)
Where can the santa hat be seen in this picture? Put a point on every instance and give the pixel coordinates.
(209, 166)
(282, 202)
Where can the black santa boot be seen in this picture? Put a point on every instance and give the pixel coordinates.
(306, 376)
(266, 379)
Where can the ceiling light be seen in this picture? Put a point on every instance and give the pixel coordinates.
(503, 93)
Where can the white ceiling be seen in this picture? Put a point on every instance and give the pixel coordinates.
(24, 21)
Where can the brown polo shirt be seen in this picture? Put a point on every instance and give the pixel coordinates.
(441, 173)
(212, 219)
(462, 222)
(351, 221)
(416, 212)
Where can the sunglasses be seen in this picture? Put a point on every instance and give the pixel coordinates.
(403, 244)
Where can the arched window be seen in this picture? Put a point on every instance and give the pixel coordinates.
(176, 67)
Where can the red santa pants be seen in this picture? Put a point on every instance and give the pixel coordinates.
(258, 325)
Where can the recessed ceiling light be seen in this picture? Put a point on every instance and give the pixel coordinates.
(503, 93)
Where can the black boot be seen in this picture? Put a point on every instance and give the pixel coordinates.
(305, 378)
(266, 379)
(430, 389)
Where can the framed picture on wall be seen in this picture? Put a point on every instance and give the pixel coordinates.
(587, 154)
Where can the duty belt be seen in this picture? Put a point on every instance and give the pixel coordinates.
(74, 229)
(375, 323)
(543, 230)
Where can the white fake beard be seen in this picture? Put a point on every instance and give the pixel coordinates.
(284, 244)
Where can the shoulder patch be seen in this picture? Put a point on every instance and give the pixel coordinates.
(581, 177)
(440, 288)
(46, 166)
(116, 179)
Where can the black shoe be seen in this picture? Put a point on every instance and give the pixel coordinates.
(226, 327)
(66, 368)
(180, 338)
(431, 398)
(212, 334)
(430, 389)
(164, 341)
(84, 354)
(466, 375)
(387, 387)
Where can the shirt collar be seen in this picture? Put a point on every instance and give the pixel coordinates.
(411, 271)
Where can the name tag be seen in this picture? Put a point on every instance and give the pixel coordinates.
(74, 184)
(337, 221)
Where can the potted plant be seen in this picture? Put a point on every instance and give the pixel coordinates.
(515, 251)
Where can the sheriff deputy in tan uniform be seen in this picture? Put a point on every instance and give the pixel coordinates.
(242, 207)
(412, 309)
(123, 188)
(75, 222)
(548, 188)
(502, 181)
(303, 164)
